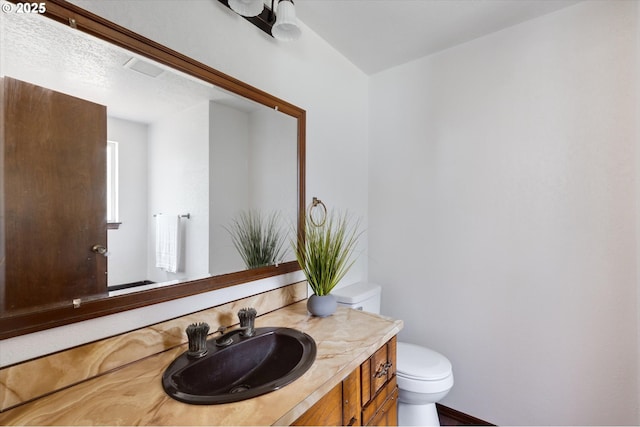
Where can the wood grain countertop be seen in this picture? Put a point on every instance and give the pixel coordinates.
(133, 394)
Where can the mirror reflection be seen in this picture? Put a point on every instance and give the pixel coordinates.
(182, 161)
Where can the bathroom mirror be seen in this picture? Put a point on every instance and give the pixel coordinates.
(186, 144)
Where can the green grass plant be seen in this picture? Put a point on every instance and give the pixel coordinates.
(325, 252)
(258, 237)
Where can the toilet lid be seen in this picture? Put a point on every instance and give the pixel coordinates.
(421, 363)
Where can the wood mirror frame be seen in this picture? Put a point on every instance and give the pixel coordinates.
(40, 318)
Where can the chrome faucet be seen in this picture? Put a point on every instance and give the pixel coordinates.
(247, 328)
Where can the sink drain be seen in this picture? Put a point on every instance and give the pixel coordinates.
(240, 388)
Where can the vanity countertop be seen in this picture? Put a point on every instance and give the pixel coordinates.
(133, 394)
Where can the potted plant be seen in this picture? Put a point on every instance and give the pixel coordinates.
(258, 238)
(324, 252)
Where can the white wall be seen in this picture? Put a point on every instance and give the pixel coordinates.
(179, 185)
(273, 156)
(503, 215)
(274, 175)
(229, 175)
(253, 160)
(308, 73)
(127, 261)
(637, 171)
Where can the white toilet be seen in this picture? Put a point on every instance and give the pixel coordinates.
(424, 376)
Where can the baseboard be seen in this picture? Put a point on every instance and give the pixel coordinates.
(461, 417)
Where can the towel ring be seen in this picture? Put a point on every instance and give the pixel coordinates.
(321, 213)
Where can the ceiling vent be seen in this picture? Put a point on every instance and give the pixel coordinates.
(144, 67)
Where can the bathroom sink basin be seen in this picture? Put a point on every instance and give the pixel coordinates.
(249, 367)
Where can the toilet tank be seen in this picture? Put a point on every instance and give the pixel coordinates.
(360, 296)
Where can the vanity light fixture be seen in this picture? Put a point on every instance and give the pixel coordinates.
(247, 8)
(279, 21)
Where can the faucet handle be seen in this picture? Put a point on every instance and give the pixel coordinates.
(197, 335)
(247, 318)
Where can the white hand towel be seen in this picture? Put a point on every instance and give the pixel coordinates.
(168, 242)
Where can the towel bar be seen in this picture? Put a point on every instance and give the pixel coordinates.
(188, 215)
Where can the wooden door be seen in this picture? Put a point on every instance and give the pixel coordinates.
(54, 185)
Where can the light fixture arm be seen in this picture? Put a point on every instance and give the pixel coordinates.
(272, 14)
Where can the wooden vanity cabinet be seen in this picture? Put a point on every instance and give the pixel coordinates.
(383, 408)
(326, 412)
(351, 403)
(367, 396)
(379, 387)
(341, 406)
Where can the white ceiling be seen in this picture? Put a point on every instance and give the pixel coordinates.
(379, 34)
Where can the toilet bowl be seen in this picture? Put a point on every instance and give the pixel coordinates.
(424, 376)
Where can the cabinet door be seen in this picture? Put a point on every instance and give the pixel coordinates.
(326, 412)
(392, 349)
(378, 370)
(386, 396)
(351, 406)
(54, 173)
(387, 414)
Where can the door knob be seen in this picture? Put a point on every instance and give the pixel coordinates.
(100, 250)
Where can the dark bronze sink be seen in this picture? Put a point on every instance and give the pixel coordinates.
(249, 367)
